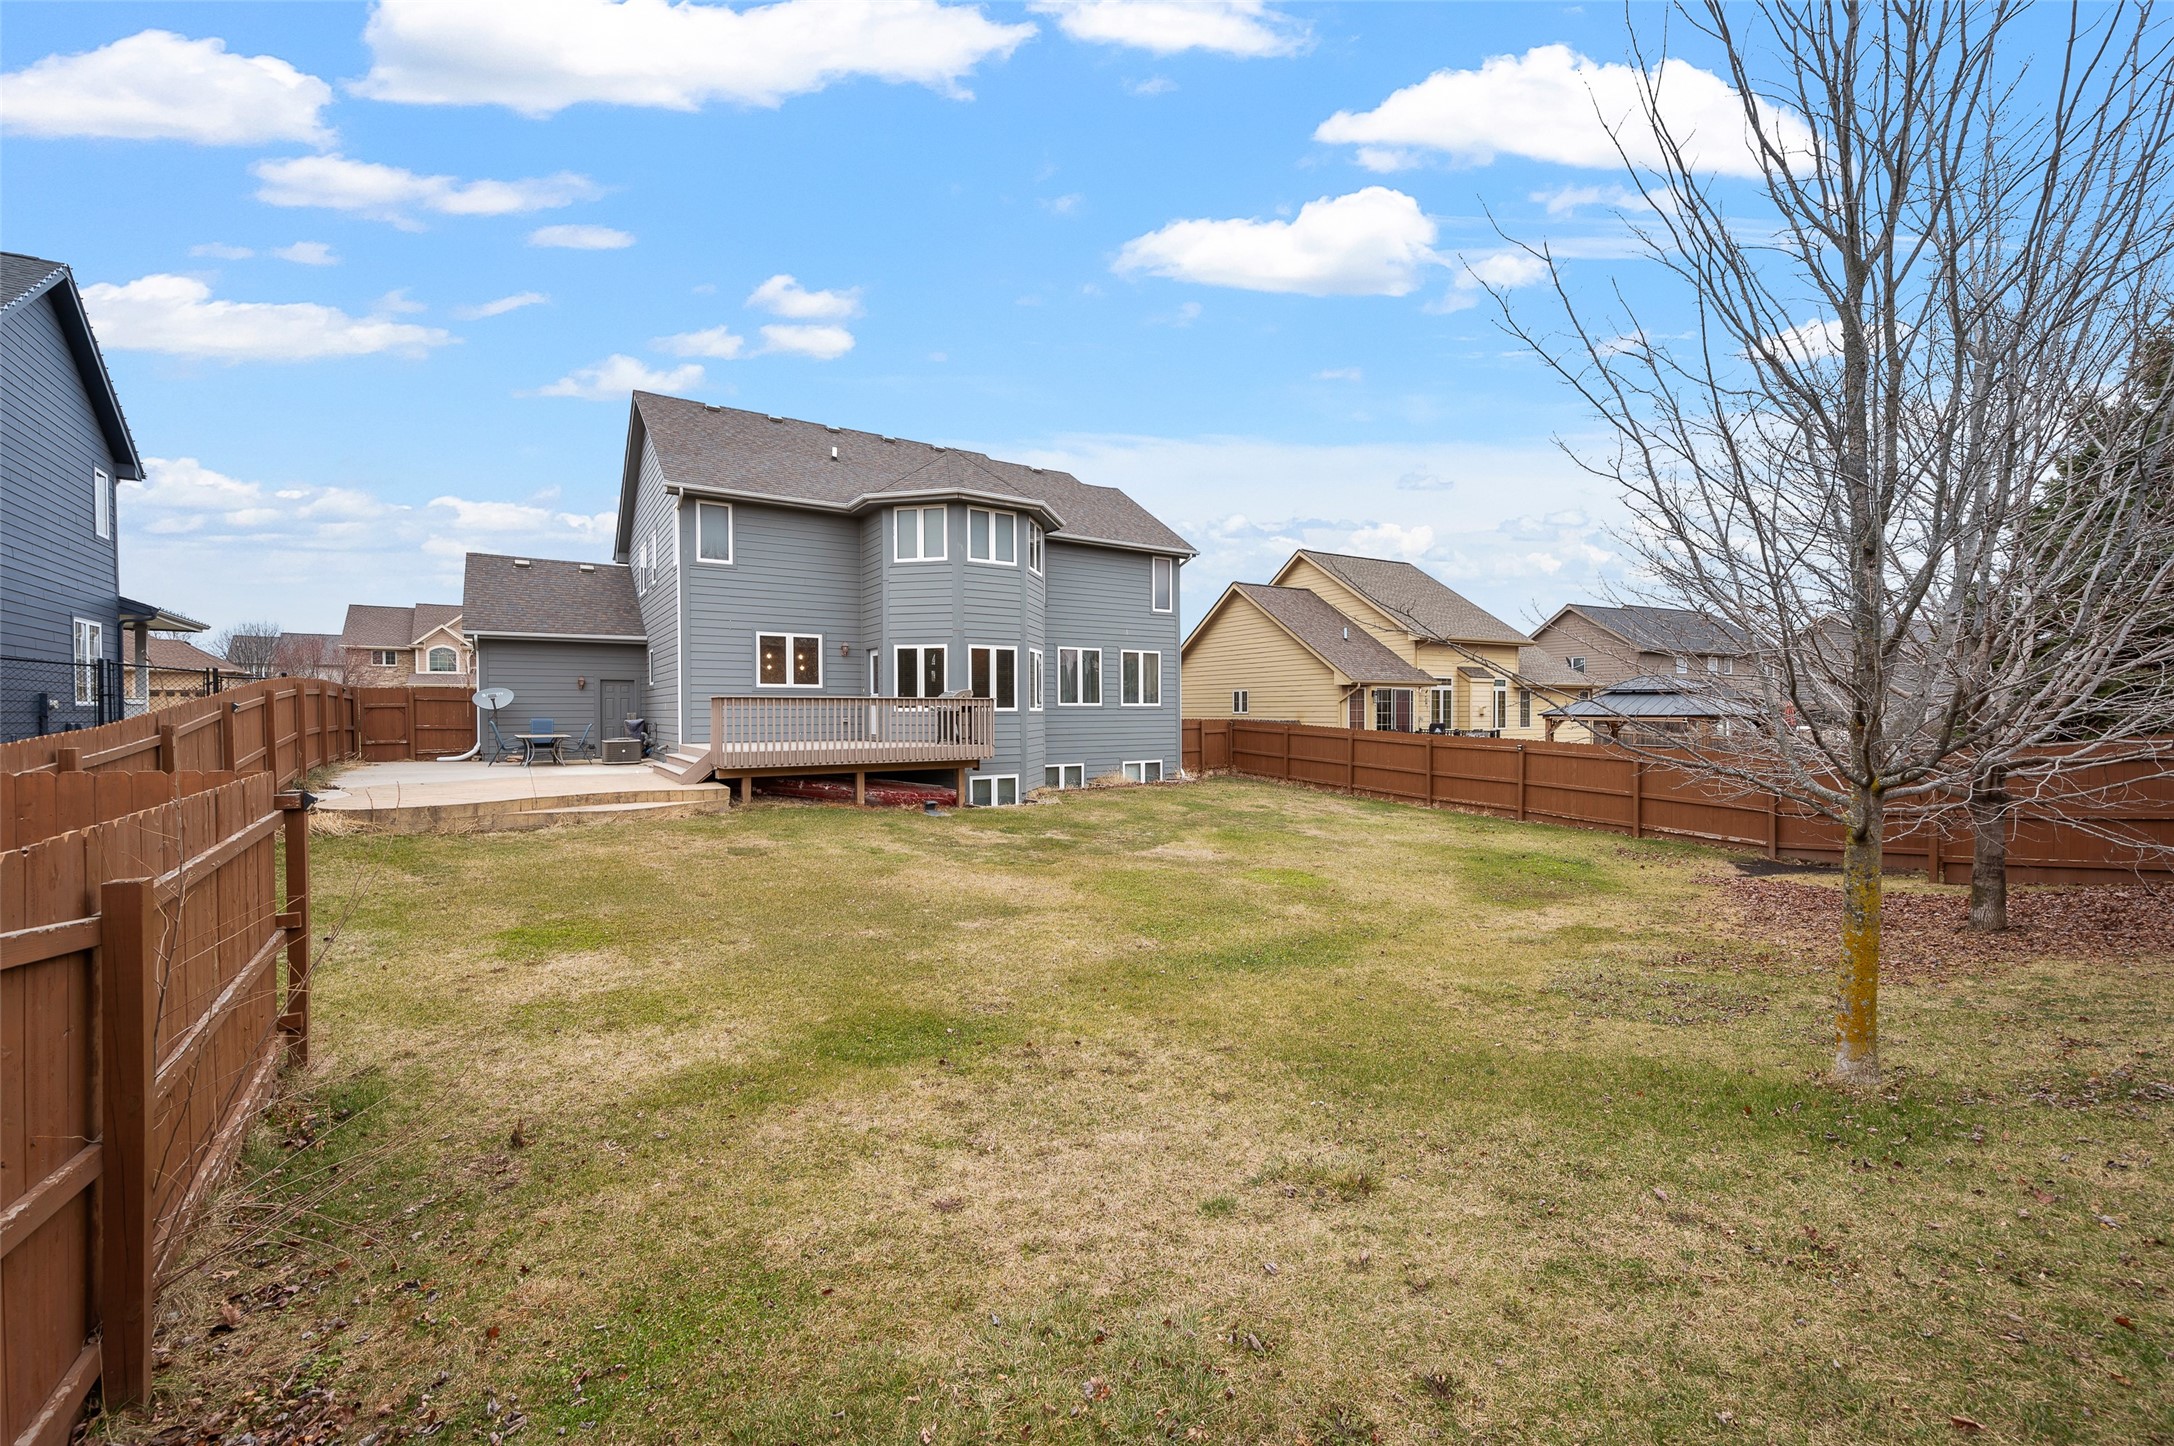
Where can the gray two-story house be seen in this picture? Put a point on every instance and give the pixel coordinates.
(816, 599)
(64, 448)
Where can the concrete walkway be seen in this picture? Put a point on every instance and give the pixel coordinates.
(376, 787)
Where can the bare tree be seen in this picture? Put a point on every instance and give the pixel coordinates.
(1953, 239)
(251, 647)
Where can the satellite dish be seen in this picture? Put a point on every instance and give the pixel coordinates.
(493, 699)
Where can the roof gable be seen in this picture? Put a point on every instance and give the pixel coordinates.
(1335, 639)
(24, 281)
(1413, 599)
(1659, 630)
(731, 452)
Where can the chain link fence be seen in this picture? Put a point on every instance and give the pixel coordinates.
(57, 695)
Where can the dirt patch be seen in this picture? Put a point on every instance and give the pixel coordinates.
(1926, 935)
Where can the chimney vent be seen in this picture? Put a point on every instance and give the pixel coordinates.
(588, 567)
(520, 562)
(834, 454)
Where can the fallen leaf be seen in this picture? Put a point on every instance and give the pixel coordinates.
(1965, 1425)
(2124, 1322)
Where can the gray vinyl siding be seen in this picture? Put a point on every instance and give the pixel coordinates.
(792, 571)
(995, 610)
(1098, 598)
(54, 567)
(655, 511)
(562, 681)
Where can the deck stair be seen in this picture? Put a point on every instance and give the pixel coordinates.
(688, 763)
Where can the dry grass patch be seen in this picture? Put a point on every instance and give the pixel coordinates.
(1210, 1113)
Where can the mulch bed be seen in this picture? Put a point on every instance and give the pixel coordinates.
(1926, 936)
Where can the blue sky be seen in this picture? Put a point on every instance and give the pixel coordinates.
(1125, 237)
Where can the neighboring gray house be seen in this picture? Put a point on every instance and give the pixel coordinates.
(565, 637)
(1009, 623)
(66, 446)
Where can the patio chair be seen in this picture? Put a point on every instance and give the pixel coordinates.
(585, 745)
(501, 750)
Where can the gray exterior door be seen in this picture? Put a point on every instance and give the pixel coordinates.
(616, 696)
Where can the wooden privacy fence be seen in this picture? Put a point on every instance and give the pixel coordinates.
(279, 726)
(1593, 786)
(400, 723)
(144, 1021)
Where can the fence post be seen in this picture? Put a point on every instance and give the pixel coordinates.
(68, 760)
(1520, 783)
(1638, 798)
(169, 749)
(1773, 825)
(1932, 851)
(294, 1020)
(227, 757)
(128, 1012)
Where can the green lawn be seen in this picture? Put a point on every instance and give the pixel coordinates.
(1221, 1112)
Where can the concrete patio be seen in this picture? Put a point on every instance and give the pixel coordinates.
(469, 797)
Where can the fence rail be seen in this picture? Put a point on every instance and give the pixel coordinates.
(140, 976)
(281, 726)
(1588, 785)
(850, 732)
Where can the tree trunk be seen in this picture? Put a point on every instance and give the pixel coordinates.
(1857, 995)
(1989, 851)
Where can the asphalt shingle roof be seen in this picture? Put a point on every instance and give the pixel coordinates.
(726, 449)
(372, 626)
(179, 653)
(1348, 647)
(1420, 604)
(550, 598)
(1648, 696)
(20, 275)
(1666, 630)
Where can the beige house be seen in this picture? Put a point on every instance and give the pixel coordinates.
(1444, 664)
(413, 647)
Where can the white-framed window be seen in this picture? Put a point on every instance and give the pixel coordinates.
(992, 537)
(1728, 666)
(641, 566)
(1034, 545)
(1441, 707)
(1142, 679)
(1240, 701)
(1162, 584)
(1065, 775)
(920, 533)
(1145, 770)
(1079, 677)
(90, 651)
(789, 660)
(875, 672)
(994, 673)
(1502, 704)
(999, 790)
(385, 657)
(1577, 665)
(1683, 664)
(651, 657)
(101, 503)
(1524, 707)
(442, 660)
(713, 532)
(1392, 710)
(1037, 680)
(920, 672)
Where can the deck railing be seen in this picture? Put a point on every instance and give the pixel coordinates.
(850, 732)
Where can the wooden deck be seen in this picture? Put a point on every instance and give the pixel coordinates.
(836, 734)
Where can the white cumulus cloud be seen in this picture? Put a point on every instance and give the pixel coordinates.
(540, 56)
(390, 193)
(824, 343)
(178, 315)
(616, 375)
(319, 546)
(1394, 539)
(1553, 104)
(501, 306)
(1246, 28)
(156, 85)
(782, 296)
(221, 251)
(307, 253)
(1372, 242)
(581, 238)
(1817, 340)
(717, 341)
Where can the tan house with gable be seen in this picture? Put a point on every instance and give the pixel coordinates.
(1457, 667)
(412, 647)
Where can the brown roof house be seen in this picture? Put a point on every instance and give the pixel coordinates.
(411, 647)
(1367, 642)
(565, 638)
(1611, 645)
(178, 669)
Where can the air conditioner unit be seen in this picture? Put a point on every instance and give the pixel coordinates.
(622, 750)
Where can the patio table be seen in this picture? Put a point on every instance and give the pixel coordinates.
(535, 743)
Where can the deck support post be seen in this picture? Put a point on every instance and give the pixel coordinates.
(962, 787)
(747, 789)
(860, 789)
